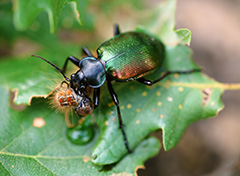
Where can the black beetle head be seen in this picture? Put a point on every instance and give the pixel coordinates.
(78, 82)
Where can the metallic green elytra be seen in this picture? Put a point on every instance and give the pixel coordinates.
(131, 55)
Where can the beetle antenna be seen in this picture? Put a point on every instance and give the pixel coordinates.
(67, 79)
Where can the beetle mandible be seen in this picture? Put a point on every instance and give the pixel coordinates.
(125, 57)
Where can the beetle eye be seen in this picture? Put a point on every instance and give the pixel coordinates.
(72, 76)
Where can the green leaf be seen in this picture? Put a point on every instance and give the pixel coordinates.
(161, 22)
(31, 76)
(171, 105)
(26, 11)
(33, 141)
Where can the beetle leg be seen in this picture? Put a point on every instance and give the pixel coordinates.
(74, 60)
(148, 82)
(96, 97)
(86, 51)
(116, 30)
(115, 100)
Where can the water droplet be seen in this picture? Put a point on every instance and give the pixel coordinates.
(81, 134)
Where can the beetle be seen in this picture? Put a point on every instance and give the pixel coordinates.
(125, 57)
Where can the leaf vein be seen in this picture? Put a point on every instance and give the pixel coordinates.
(23, 131)
(49, 146)
(45, 166)
(5, 167)
(46, 157)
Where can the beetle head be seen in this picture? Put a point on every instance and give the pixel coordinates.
(78, 82)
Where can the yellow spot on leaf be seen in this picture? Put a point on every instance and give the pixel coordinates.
(180, 106)
(138, 110)
(158, 93)
(122, 107)
(138, 121)
(212, 103)
(129, 106)
(154, 109)
(161, 116)
(106, 122)
(180, 89)
(144, 94)
(159, 103)
(86, 159)
(39, 122)
(176, 75)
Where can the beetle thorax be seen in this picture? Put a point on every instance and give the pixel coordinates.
(93, 72)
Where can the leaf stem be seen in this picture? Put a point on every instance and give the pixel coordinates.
(231, 86)
(224, 86)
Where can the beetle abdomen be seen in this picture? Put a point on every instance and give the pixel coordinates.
(131, 55)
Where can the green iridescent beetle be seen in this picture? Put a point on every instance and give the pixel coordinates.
(125, 57)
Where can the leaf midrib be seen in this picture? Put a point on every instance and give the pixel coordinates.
(43, 156)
